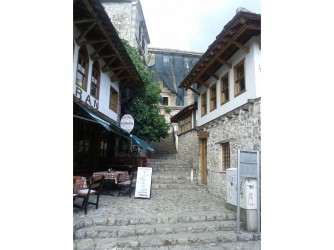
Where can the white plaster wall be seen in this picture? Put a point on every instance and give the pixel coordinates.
(105, 84)
(252, 61)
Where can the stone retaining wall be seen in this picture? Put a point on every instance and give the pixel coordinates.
(188, 149)
(243, 132)
(241, 127)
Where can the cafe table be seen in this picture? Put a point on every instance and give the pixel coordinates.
(113, 176)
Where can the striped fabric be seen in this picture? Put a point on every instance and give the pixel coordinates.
(113, 175)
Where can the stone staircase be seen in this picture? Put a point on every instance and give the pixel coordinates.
(164, 149)
(155, 232)
(180, 215)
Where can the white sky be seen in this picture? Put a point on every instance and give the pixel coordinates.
(190, 24)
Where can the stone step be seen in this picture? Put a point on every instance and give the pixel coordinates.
(155, 229)
(161, 176)
(179, 239)
(173, 186)
(157, 219)
(238, 245)
(171, 181)
(171, 168)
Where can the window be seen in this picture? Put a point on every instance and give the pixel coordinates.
(239, 78)
(213, 97)
(225, 156)
(224, 96)
(203, 103)
(165, 59)
(113, 101)
(185, 123)
(82, 68)
(164, 100)
(95, 81)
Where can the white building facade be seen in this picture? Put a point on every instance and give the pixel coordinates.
(227, 115)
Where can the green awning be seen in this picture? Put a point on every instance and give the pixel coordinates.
(142, 143)
(97, 118)
(118, 130)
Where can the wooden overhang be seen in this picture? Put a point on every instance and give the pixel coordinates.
(97, 30)
(235, 34)
(184, 112)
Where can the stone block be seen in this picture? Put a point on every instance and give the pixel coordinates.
(85, 244)
(126, 231)
(183, 219)
(104, 244)
(128, 242)
(147, 220)
(80, 234)
(197, 218)
(111, 221)
(165, 229)
(145, 241)
(144, 230)
(100, 221)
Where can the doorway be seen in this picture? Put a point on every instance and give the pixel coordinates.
(204, 170)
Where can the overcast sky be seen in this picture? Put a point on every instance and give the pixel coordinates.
(190, 24)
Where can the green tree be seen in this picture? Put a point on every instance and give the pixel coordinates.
(142, 103)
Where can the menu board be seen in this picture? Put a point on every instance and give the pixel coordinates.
(143, 183)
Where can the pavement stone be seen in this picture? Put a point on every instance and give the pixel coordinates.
(123, 222)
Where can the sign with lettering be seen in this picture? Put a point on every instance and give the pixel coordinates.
(143, 183)
(127, 123)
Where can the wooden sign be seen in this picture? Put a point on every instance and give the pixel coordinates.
(143, 183)
(202, 134)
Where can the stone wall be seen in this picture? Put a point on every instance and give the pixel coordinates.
(243, 130)
(120, 16)
(188, 149)
(241, 127)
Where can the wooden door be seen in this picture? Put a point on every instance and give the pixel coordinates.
(203, 161)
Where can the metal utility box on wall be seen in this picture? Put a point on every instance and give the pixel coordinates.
(248, 198)
(249, 195)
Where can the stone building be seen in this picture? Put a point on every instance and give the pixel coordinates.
(170, 67)
(227, 114)
(128, 18)
(102, 70)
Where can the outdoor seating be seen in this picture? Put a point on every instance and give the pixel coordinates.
(125, 186)
(94, 188)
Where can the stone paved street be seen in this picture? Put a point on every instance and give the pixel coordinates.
(179, 218)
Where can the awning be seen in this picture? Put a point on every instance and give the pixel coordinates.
(141, 143)
(100, 120)
(116, 129)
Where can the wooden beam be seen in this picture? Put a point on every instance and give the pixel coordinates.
(116, 78)
(105, 56)
(93, 41)
(116, 68)
(195, 91)
(90, 20)
(224, 62)
(98, 50)
(213, 74)
(86, 32)
(240, 46)
(106, 66)
(89, 7)
(235, 36)
(253, 26)
(202, 83)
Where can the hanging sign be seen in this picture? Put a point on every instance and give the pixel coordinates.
(127, 123)
(143, 183)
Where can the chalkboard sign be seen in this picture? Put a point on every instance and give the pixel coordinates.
(143, 183)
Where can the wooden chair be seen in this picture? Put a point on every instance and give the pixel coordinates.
(94, 188)
(125, 186)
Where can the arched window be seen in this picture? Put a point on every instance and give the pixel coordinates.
(95, 80)
(82, 69)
